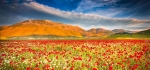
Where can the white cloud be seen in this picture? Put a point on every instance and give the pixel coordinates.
(90, 4)
(86, 20)
(29, 0)
(61, 13)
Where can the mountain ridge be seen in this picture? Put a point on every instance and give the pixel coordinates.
(141, 34)
(100, 32)
(41, 27)
(48, 28)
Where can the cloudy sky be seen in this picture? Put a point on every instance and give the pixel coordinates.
(108, 14)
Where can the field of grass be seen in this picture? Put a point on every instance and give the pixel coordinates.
(75, 55)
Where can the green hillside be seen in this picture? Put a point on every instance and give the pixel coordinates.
(141, 34)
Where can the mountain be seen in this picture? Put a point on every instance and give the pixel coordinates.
(122, 31)
(3, 27)
(46, 29)
(41, 27)
(141, 34)
(99, 32)
(118, 30)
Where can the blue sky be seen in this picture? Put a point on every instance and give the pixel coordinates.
(108, 14)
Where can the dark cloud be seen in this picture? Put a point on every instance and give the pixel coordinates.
(134, 9)
(138, 9)
(3, 1)
(12, 13)
(14, 1)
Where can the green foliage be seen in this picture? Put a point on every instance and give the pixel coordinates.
(142, 34)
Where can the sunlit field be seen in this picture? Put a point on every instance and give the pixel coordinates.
(75, 55)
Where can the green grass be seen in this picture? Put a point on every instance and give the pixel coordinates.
(142, 34)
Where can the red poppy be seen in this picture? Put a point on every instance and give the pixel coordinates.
(46, 67)
(36, 68)
(56, 57)
(71, 68)
(94, 69)
(135, 66)
(110, 67)
(28, 68)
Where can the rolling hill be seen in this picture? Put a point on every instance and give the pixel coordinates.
(141, 34)
(122, 31)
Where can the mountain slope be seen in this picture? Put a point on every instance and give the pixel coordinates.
(122, 31)
(99, 32)
(141, 34)
(41, 27)
(49, 29)
(3, 27)
(118, 30)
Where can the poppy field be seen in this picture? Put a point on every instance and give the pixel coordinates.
(75, 55)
